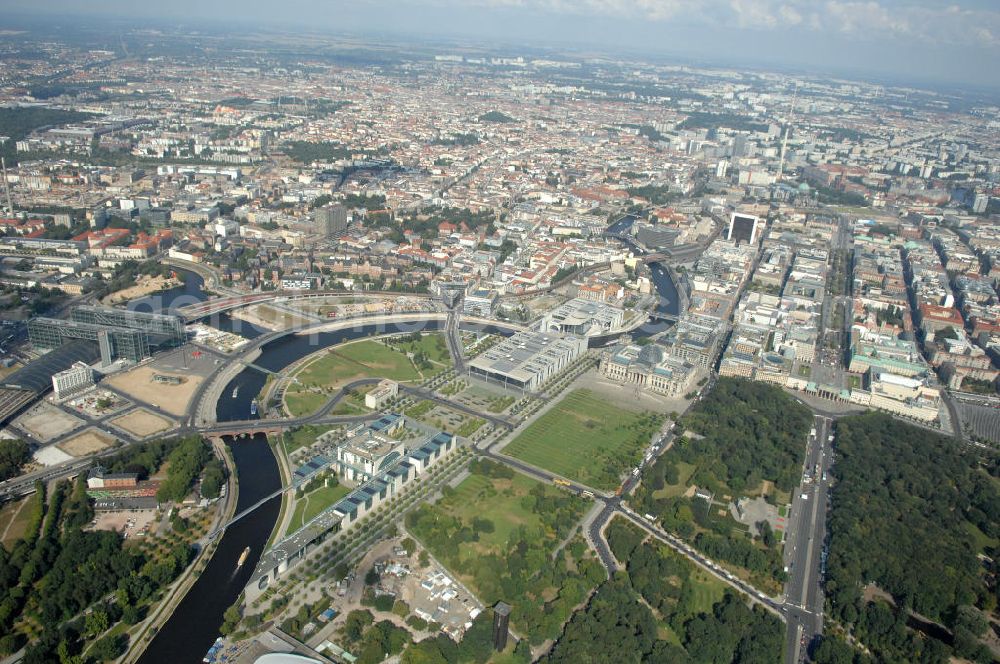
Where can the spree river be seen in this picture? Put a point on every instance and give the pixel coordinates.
(194, 624)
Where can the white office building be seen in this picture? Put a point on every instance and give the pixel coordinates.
(75, 379)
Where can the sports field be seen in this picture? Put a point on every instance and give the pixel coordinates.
(587, 439)
(314, 502)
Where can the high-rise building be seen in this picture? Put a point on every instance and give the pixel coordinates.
(740, 145)
(501, 624)
(980, 203)
(78, 377)
(743, 228)
(331, 220)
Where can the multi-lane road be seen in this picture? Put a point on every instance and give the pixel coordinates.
(805, 545)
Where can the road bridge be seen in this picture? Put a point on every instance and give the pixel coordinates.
(198, 310)
(663, 316)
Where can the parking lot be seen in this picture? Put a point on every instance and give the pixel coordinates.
(129, 523)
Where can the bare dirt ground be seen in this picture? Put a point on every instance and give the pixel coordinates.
(139, 384)
(144, 286)
(142, 423)
(88, 442)
(45, 422)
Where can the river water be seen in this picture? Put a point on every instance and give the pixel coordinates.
(195, 623)
(668, 300)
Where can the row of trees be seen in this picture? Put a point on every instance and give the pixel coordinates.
(911, 510)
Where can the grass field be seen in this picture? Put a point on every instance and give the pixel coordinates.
(314, 502)
(364, 359)
(348, 408)
(302, 436)
(432, 344)
(304, 403)
(684, 473)
(586, 439)
(505, 508)
(498, 531)
(13, 521)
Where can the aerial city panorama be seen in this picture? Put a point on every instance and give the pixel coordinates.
(500, 332)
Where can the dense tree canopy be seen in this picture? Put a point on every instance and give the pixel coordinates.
(617, 627)
(14, 453)
(58, 570)
(743, 433)
(911, 511)
(748, 432)
(187, 460)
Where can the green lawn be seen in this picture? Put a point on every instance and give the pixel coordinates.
(706, 591)
(311, 504)
(586, 439)
(302, 436)
(303, 402)
(363, 359)
(348, 408)
(497, 531)
(477, 492)
(684, 473)
(433, 344)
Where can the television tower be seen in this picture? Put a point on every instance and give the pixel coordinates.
(6, 187)
(788, 129)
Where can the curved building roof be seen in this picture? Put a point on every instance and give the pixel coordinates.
(285, 658)
(651, 355)
(36, 376)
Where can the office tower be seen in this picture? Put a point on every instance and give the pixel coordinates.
(331, 220)
(743, 228)
(740, 145)
(980, 203)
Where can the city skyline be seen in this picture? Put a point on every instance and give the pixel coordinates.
(905, 41)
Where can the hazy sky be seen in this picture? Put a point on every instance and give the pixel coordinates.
(908, 39)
